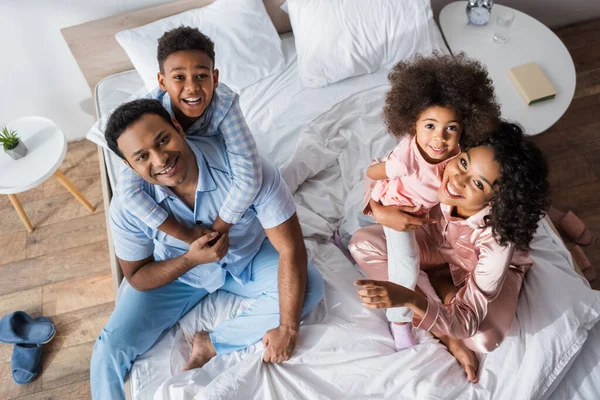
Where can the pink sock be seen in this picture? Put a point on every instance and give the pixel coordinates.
(403, 336)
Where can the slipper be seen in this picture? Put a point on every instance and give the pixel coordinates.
(574, 228)
(20, 328)
(589, 272)
(26, 360)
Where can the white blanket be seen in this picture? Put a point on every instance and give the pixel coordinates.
(346, 351)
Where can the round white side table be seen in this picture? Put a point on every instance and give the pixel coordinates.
(46, 147)
(530, 41)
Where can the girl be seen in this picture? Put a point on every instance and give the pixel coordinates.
(492, 198)
(433, 105)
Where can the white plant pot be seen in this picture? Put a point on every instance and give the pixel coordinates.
(18, 152)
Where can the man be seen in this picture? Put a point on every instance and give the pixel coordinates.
(262, 257)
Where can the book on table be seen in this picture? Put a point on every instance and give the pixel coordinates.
(531, 83)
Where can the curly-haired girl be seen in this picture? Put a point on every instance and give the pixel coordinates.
(434, 105)
(491, 200)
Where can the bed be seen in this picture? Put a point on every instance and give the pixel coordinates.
(322, 138)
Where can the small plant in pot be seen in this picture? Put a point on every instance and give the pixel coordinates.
(13, 146)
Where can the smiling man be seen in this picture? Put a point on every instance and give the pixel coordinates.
(262, 257)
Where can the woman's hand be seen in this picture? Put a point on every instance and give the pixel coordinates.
(384, 294)
(396, 217)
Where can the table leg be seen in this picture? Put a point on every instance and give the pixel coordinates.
(71, 188)
(17, 205)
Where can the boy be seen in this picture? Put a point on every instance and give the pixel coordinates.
(189, 90)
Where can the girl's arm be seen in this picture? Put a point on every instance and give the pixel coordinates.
(131, 192)
(377, 171)
(245, 167)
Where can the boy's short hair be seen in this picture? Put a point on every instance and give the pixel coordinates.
(127, 114)
(456, 82)
(183, 38)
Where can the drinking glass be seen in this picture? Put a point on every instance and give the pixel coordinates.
(504, 21)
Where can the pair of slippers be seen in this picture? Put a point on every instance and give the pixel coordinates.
(571, 226)
(29, 336)
(575, 230)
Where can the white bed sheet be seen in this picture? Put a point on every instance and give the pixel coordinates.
(345, 350)
(582, 381)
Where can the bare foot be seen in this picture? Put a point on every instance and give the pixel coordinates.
(465, 356)
(202, 351)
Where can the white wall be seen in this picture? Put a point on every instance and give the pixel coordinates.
(38, 75)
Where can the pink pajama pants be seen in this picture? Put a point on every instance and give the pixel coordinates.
(368, 247)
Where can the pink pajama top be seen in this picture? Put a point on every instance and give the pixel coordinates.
(412, 181)
(478, 265)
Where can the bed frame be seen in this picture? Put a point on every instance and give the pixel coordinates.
(99, 55)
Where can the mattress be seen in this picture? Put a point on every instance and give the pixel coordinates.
(322, 139)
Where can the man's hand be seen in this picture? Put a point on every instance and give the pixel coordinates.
(383, 294)
(279, 344)
(202, 252)
(396, 217)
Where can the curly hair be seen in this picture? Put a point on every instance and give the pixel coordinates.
(454, 82)
(522, 193)
(127, 114)
(180, 39)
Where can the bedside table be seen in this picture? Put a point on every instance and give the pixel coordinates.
(530, 41)
(46, 147)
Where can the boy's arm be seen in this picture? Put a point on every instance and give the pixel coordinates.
(377, 171)
(245, 167)
(130, 190)
(139, 203)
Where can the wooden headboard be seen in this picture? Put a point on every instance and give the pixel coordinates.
(98, 53)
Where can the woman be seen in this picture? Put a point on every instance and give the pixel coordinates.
(474, 249)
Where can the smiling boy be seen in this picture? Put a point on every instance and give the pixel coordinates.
(189, 90)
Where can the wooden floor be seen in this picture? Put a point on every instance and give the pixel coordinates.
(62, 270)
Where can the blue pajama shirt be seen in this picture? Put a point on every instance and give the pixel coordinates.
(249, 268)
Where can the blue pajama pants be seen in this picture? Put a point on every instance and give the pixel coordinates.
(140, 318)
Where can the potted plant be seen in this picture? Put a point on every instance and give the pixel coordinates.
(13, 146)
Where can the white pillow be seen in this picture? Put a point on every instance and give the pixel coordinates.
(338, 39)
(247, 46)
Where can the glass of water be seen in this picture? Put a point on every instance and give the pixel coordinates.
(504, 21)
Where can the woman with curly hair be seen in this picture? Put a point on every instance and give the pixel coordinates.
(435, 105)
(491, 200)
